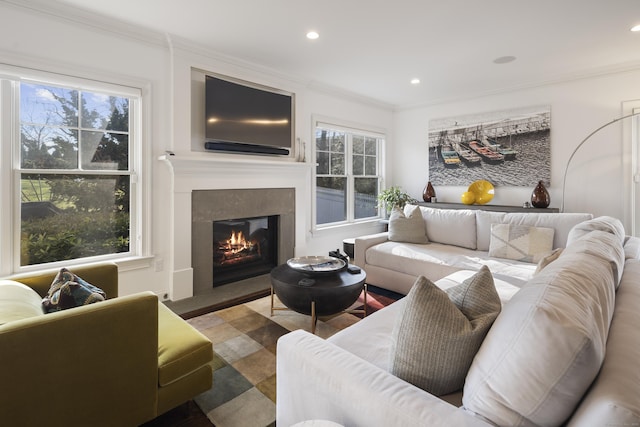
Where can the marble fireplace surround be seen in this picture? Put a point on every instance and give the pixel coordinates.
(215, 205)
(191, 173)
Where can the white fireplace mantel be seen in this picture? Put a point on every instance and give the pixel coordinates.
(209, 171)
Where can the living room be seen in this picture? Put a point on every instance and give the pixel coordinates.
(163, 66)
(71, 41)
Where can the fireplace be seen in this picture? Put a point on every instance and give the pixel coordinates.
(219, 260)
(244, 247)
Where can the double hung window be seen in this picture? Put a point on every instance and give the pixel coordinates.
(347, 174)
(73, 161)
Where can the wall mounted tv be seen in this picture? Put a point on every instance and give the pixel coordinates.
(246, 118)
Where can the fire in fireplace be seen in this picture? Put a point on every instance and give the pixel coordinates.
(243, 248)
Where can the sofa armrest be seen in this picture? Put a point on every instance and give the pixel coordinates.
(91, 365)
(363, 243)
(103, 275)
(319, 380)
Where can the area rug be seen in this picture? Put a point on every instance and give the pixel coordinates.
(244, 367)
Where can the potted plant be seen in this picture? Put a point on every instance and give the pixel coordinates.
(392, 197)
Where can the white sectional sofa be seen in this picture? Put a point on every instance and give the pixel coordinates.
(564, 350)
(458, 240)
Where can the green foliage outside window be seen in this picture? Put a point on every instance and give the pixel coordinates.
(68, 210)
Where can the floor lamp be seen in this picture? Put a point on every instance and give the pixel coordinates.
(566, 169)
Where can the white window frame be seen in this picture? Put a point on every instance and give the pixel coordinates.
(352, 129)
(10, 170)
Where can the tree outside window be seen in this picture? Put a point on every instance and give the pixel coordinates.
(75, 177)
(347, 178)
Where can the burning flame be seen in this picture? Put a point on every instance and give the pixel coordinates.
(237, 241)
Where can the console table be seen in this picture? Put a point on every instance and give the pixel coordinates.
(496, 208)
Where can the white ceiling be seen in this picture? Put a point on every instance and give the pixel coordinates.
(372, 48)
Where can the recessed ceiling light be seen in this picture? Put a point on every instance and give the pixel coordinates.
(312, 35)
(504, 59)
(635, 28)
(415, 81)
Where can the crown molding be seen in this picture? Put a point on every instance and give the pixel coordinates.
(84, 18)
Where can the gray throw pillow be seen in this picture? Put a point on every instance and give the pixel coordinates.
(407, 228)
(437, 336)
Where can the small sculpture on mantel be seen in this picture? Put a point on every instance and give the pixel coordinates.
(429, 193)
(540, 197)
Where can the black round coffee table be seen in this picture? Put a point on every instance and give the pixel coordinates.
(329, 293)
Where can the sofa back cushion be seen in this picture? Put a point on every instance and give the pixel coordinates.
(548, 343)
(562, 223)
(450, 226)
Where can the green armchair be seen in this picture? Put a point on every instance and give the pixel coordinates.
(119, 362)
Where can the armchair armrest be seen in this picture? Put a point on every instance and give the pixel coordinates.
(365, 242)
(91, 365)
(319, 380)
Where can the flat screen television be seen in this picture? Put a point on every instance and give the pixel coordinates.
(247, 118)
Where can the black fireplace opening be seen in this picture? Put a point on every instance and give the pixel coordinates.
(244, 247)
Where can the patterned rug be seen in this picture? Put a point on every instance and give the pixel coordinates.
(244, 342)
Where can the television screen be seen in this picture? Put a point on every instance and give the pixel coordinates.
(252, 118)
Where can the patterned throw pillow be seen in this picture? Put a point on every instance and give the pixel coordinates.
(437, 336)
(69, 290)
(407, 228)
(520, 242)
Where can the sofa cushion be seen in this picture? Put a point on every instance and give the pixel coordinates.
(407, 226)
(547, 259)
(520, 242)
(181, 348)
(547, 345)
(450, 226)
(562, 223)
(613, 400)
(68, 290)
(602, 223)
(439, 332)
(18, 301)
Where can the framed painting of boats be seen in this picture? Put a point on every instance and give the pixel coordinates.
(508, 148)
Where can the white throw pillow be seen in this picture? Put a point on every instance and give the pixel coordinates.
(408, 228)
(520, 242)
(18, 301)
(439, 332)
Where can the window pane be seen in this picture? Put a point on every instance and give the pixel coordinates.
(371, 146)
(331, 200)
(48, 105)
(104, 151)
(101, 111)
(370, 165)
(44, 147)
(322, 159)
(337, 142)
(337, 164)
(358, 144)
(366, 193)
(358, 165)
(68, 216)
(322, 140)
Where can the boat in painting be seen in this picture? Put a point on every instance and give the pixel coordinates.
(449, 156)
(487, 154)
(467, 156)
(508, 153)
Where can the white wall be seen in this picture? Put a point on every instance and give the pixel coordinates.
(596, 179)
